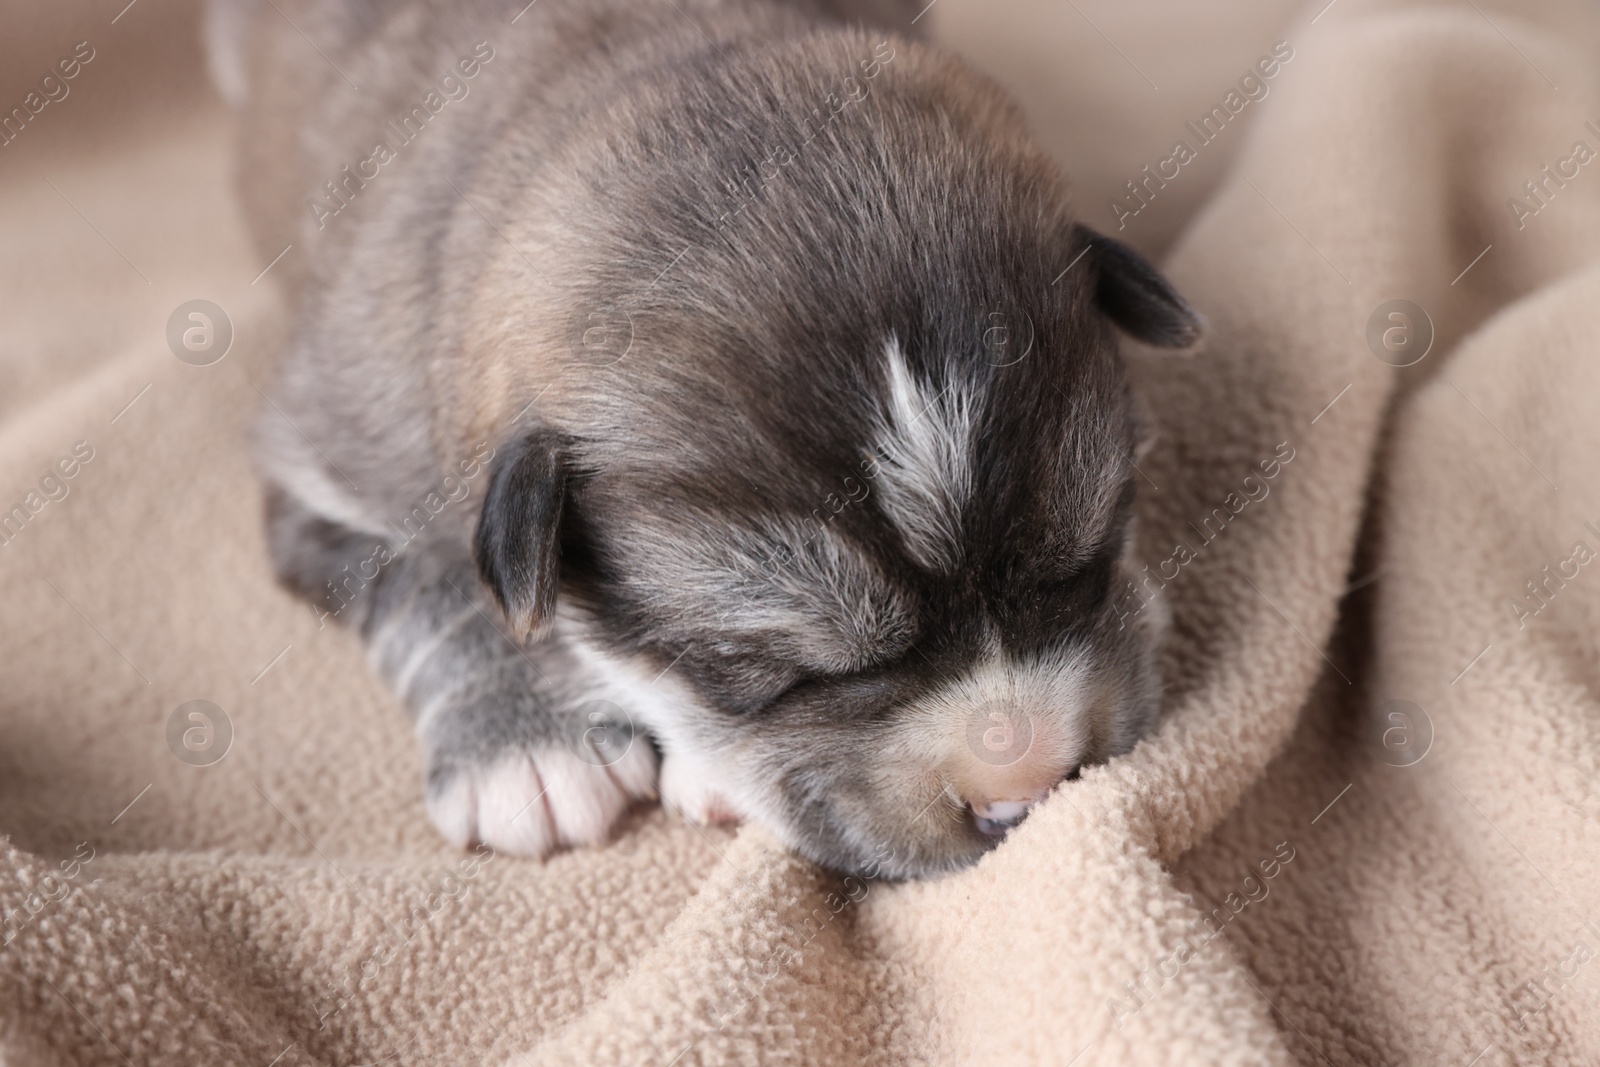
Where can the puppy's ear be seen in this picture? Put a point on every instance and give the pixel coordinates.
(518, 540)
(1135, 296)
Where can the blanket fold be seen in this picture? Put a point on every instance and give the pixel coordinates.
(1365, 832)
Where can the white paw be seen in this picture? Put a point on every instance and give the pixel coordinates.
(687, 788)
(529, 802)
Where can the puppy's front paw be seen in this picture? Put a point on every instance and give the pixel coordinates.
(530, 801)
(687, 788)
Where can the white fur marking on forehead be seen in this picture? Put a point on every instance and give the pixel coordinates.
(926, 458)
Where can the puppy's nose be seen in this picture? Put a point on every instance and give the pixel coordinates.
(995, 817)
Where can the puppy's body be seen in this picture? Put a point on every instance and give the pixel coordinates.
(720, 369)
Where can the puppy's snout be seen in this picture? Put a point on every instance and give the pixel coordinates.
(1013, 757)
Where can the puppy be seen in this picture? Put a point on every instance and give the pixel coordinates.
(723, 383)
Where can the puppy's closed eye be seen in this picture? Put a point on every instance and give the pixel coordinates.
(748, 678)
(768, 588)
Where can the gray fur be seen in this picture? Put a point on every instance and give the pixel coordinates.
(671, 243)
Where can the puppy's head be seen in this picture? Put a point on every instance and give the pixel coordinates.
(848, 527)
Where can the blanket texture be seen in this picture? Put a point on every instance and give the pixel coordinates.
(1365, 833)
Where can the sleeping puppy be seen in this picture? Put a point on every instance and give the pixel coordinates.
(717, 388)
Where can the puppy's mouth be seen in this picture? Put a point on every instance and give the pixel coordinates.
(996, 818)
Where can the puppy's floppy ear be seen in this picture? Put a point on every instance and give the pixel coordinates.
(518, 540)
(1135, 296)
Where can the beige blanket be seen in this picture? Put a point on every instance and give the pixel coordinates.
(1365, 833)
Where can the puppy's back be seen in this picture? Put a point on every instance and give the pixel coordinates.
(318, 83)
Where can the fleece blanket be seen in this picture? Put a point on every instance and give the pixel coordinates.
(1365, 832)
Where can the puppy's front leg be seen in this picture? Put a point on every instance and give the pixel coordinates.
(518, 756)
